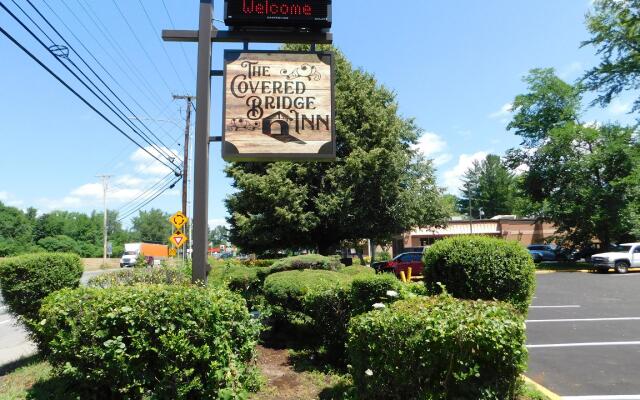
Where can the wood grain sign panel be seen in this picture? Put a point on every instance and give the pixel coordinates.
(278, 106)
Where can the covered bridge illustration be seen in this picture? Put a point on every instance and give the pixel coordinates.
(281, 120)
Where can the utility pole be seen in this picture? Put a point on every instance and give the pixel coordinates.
(105, 186)
(470, 213)
(185, 168)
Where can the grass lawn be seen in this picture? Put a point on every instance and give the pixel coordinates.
(562, 266)
(289, 375)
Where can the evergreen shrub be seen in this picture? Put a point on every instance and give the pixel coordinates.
(477, 267)
(151, 341)
(27, 279)
(438, 348)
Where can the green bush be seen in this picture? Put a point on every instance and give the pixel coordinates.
(258, 263)
(357, 270)
(130, 277)
(240, 279)
(26, 280)
(369, 290)
(151, 341)
(438, 348)
(288, 289)
(308, 261)
(476, 267)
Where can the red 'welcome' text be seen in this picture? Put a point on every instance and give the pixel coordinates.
(267, 7)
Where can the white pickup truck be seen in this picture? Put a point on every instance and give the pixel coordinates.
(620, 258)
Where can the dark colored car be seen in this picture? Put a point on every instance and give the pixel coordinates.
(546, 252)
(402, 262)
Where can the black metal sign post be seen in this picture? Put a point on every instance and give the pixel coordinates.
(205, 35)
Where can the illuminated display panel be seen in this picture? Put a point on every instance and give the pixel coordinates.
(278, 13)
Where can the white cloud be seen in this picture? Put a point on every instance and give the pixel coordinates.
(9, 200)
(452, 177)
(66, 202)
(503, 113)
(619, 107)
(147, 165)
(432, 146)
(571, 70)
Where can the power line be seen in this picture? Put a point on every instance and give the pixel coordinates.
(164, 48)
(116, 81)
(144, 50)
(66, 85)
(144, 193)
(144, 136)
(184, 53)
(159, 193)
(118, 113)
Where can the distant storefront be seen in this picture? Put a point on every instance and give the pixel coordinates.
(525, 231)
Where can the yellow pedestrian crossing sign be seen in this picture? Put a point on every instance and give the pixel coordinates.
(178, 239)
(178, 220)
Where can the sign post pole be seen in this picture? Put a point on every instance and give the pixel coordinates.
(200, 265)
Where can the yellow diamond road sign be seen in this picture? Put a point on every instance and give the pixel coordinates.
(172, 252)
(178, 239)
(178, 220)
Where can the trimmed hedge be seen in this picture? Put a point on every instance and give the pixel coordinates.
(438, 348)
(130, 277)
(477, 267)
(26, 280)
(357, 270)
(316, 305)
(369, 290)
(151, 341)
(288, 289)
(308, 261)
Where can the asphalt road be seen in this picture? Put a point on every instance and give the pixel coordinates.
(14, 342)
(584, 335)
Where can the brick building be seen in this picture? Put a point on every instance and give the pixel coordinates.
(525, 231)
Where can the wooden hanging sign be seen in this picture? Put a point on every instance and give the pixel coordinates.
(278, 106)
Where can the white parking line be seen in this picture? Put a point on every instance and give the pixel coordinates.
(569, 306)
(589, 344)
(583, 319)
(605, 397)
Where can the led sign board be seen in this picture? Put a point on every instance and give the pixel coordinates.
(312, 14)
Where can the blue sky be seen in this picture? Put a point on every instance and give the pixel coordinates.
(455, 66)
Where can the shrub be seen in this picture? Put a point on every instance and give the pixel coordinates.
(257, 263)
(130, 277)
(438, 348)
(357, 270)
(369, 290)
(308, 261)
(476, 267)
(151, 341)
(240, 279)
(26, 280)
(288, 289)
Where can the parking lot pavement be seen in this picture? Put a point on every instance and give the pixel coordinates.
(584, 335)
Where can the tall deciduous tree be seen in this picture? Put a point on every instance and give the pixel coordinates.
(378, 186)
(615, 33)
(584, 175)
(152, 226)
(219, 235)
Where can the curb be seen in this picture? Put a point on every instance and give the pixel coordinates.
(542, 389)
(555, 271)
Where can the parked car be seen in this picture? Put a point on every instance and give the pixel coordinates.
(542, 252)
(402, 262)
(620, 258)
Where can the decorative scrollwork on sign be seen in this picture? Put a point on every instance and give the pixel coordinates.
(304, 71)
(243, 124)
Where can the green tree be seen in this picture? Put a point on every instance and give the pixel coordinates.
(615, 33)
(16, 230)
(219, 235)
(492, 188)
(378, 186)
(583, 176)
(151, 226)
